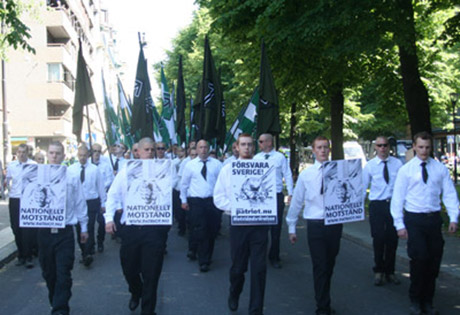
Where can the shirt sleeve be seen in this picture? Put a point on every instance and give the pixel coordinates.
(222, 189)
(366, 179)
(398, 199)
(449, 196)
(80, 207)
(114, 196)
(185, 183)
(101, 188)
(287, 174)
(296, 205)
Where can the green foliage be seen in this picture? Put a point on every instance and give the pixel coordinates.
(15, 33)
(314, 45)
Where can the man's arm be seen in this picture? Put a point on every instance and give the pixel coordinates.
(184, 186)
(287, 174)
(114, 201)
(397, 203)
(297, 202)
(222, 191)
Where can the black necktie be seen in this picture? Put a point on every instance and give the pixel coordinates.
(267, 156)
(82, 174)
(115, 168)
(204, 170)
(322, 181)
(424, 172)
(386, 176)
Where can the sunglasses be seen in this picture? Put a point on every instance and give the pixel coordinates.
(96, 151)
(160, 148)
(382, 145)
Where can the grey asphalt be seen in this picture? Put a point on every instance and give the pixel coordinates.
(184, 290)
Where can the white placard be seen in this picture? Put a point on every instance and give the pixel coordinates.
(253, 193)
(343, 191)
(43, 196)
(149, 195)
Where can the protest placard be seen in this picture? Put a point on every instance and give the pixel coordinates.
(149, 195)
(43, 196)
(343, 191)
(253, 196)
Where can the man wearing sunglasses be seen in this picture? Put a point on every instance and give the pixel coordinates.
(381, 173)
(160, 150)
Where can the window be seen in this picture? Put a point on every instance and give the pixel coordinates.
(55, 72)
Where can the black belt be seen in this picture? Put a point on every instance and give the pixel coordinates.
(58, 230)
(423, 214)
(315, 220)
(388, 200)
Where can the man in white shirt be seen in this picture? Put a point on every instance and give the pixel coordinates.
(197, 185)
(179, 213)
(416, 207)
(323, 240)
(95, 196)
(57, 246)
(106, 171)
(246, 242)
(380, 173)
(282, 171)
(142, 246)
(119, 160)
(25, 238)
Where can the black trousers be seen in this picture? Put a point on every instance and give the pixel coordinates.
(249, 243)
(324, 243)
(141, 254)
(384, 236)
(25, 238)
(179, 213)
(275, 230)
(57, 254)
(94, 208)
(204, 224)
(100, 228)
(425, 248)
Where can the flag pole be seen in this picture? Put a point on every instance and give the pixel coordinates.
(89, 134)
(105, 135)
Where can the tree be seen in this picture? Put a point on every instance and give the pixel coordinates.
(14, 32)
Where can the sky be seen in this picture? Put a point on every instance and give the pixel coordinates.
(160, 20)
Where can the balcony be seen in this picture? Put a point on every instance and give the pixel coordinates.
(59, 23)
(65, 54)
(60, 92)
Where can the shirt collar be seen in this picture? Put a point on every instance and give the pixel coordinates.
(318, 164)
(420, 161)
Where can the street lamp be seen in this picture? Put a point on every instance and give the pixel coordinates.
(453, 100)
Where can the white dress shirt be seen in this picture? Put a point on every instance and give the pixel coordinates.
(93, 185)
(177, 162)
(373, 174)
(14, 174)
(116, 197)
(412, 194)
(106, 170)
(229, 160)
(282, 169)
(307, 195)
(193, 183)
(76, 209)
(223, 189)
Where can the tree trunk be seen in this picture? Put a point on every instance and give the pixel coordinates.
(292, 143)
(337, 100)
(415, 92)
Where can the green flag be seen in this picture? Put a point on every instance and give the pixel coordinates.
(245, 122)
(180, 104)
(142, 119)
(160, 131)
(84, 94)
(208, 121)
(124, 116)
(111, 118)
(268, 120)
(167, 111)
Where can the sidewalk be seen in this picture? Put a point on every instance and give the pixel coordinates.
(357, 232)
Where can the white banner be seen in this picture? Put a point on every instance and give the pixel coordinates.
(149, 196)
(343, 191)
(43, 196)
(253, 193)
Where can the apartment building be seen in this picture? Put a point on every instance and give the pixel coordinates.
(40, 87)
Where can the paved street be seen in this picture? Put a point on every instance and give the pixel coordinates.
(184, 290)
